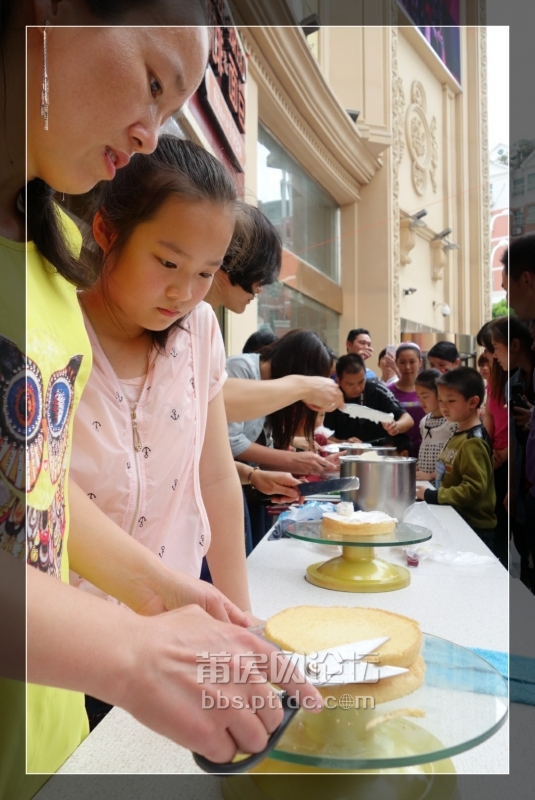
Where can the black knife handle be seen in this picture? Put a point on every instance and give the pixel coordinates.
(243, 765)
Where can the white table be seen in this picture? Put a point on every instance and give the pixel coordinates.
(467, 605)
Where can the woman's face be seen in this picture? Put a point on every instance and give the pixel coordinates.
(110, 91)
(501, 354)
(408, 363)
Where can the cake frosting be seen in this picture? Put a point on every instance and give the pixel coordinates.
(356, 523)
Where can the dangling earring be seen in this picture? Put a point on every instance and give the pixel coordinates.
(44, 90)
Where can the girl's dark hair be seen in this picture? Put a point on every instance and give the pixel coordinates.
(483, 360)
(497, 329)
(255, 252)
(428, 379)
(259, 339)
(299, 352)
(177, 168)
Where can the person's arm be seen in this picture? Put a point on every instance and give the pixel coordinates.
(304, 463)
(401, 425)
(279, 485)
(488, 422)
(248, 399)
(120, 566)
(150, 667)
(223, 501)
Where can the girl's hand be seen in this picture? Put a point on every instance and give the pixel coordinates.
(500, 457)
(391, 427)
(424, 476)
(279, 484)
(420, 491)
(321, 394)
(176, 589)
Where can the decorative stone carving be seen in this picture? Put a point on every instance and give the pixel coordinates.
(485, 210)
(398, 107)
(407, 240)
(421, 140)
(439, 258)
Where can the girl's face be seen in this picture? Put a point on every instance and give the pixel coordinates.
(110, 91)
(386, 368)
(428, 398)
(484, 371)
(409, 363)
(167, 265)
(501, 354)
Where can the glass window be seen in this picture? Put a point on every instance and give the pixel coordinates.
(518, 186)
(283, 309)
(519, 216)
(531, 215)
(306, 218)
(531, 182)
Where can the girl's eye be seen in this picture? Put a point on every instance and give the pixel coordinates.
(155, 86)
(167, 264)
(207, 274)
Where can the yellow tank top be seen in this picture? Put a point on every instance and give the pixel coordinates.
(57, 364)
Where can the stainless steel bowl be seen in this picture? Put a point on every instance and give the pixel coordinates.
(356, 449)
(387, 485)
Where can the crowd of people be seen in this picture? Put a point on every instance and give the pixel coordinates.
(139, 433)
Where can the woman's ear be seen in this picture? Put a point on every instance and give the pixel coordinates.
(62, 12)
(101, 232)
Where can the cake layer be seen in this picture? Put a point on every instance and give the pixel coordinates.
(359, 523)
(306, 629)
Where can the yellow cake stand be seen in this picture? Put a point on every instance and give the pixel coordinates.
(358, 569)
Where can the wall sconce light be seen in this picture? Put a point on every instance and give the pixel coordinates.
(353, 114)
(451, 246)
(446, 310)
(409, 291)
(416, 219)
(442, 234)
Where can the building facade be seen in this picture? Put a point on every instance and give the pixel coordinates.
(350, 132)
(499, 215)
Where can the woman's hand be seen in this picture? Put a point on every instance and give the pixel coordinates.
(420, 491)
(301, 443)
(522, 416)
(321, 394)
(390, 362)
(424, 476)
(279, 484)
(308, 463)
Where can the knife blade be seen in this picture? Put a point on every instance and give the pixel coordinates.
(323, 487)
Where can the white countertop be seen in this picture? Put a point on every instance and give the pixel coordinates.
(467, 605)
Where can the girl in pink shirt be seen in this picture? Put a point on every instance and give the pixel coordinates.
(150, 436)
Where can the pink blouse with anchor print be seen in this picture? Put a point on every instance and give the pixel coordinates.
(152, 491)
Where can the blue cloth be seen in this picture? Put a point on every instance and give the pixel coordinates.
(521, 673)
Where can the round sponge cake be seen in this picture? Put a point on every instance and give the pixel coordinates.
(306, 629)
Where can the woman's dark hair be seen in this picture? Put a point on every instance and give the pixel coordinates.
(446, 351)
(298, 352)
(259, 339)
(255, 251)
(428, 379)
(408, 346)
(482, 360)
(505, 329)
(177, 168)
(497, 329)
(483, 337)
(519, 257)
